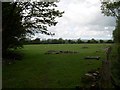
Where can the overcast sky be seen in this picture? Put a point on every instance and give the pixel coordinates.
(82, 19)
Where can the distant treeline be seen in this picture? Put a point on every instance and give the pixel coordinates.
(66, 41)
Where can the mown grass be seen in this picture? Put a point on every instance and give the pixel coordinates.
(40, 70)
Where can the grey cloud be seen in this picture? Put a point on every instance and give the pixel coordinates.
(82, 19)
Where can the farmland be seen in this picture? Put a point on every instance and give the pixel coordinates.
(40, 70)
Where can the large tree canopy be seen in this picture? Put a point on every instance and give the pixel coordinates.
(112, 8)
(26, 18)
(38, 15)
(12, 29)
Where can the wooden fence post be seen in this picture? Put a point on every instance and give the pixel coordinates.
(105, 71)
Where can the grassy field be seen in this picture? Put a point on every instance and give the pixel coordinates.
(40, 70)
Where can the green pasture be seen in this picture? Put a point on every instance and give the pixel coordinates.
(40, 70)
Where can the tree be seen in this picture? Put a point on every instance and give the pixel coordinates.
(79, 41)
(26, 18)
(112, 8)
(71, 41)
(101, 41)
(92, 41)
(61, 41)
(36, 41)
(109, 41)
(89, 41)
(12, 29)
(39, 15)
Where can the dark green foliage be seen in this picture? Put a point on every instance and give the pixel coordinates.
(12, 56)
(109, 41)
(62, 41)
(40, 16)
(13, 31)
(101, 41)
(36, 41)
(26, 18)
(116, 32)
(112, 8)
(92, 41)
(80, 41)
